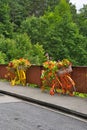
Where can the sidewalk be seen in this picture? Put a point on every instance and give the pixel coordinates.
(72, 105)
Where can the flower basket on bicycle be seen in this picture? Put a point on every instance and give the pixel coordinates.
(18, 67)
(56, 76)
(65, 70)
(21, 67)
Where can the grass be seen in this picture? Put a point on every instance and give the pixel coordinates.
(82, 95)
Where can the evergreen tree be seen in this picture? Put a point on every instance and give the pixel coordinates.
(6, 27)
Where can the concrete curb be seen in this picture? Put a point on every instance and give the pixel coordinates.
(49, 105)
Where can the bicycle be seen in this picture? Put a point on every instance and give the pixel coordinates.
(20, 77)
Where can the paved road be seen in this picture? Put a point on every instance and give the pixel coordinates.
(72, 105)
(16, 114)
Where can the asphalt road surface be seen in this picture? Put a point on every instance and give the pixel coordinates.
(17, 114)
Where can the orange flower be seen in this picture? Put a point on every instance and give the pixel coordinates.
(51, 92)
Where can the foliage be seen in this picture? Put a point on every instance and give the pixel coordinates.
(82, 95)
(38, 55)
(53, 24)
(21, 9)
(64, 36)
(21, 46)
(2, 58)
(6, 27)
(58, 34)
(82, 20)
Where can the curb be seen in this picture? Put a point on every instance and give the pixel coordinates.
(45, 104)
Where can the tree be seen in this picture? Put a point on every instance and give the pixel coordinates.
(57, 32)
(82, 20)
(21, 47)
(6, 27)
(22, 9)
(38, 56)
(2, 58)
(24, 48)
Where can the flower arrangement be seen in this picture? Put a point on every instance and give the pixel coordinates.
(17, 70)
(64, 66)
(17, 63)
(51, 65)
(50, 68)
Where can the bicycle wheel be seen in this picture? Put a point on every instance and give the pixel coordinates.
(67, 84)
